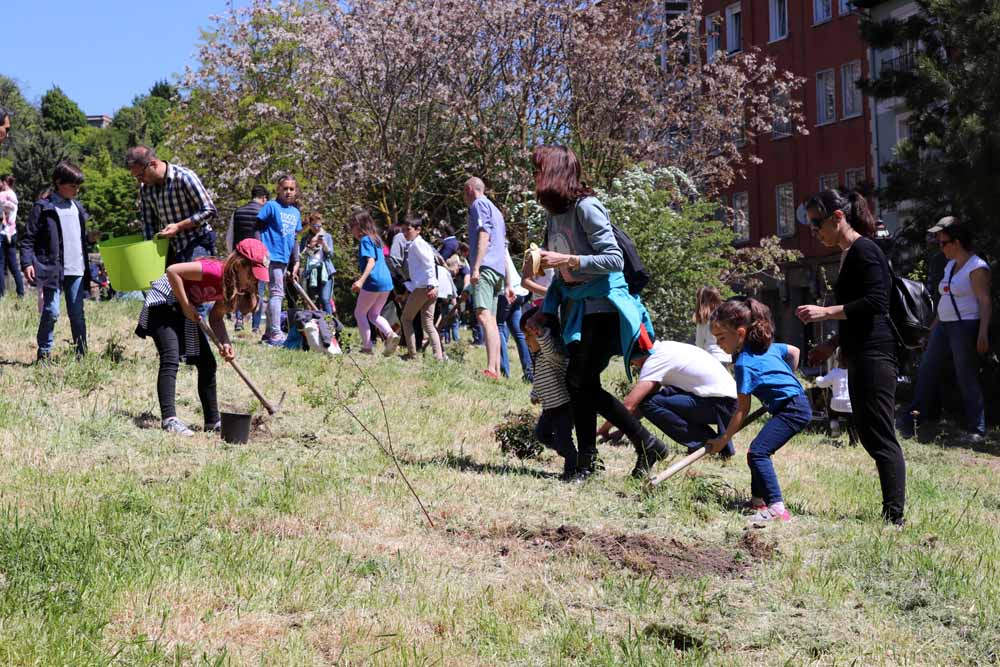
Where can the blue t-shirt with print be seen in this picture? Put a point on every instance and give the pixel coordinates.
(767, 376)
(379, 280)
(282, 223)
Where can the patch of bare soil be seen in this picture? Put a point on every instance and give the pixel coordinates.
(666, 558)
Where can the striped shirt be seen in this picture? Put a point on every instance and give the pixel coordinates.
(180, 196)
(549, 371)
(160, 293)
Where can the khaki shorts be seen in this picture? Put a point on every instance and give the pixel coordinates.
(490, 287)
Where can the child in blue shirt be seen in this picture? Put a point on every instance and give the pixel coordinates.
(279, 221)
(743, 329)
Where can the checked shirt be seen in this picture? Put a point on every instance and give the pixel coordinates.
(180, 197)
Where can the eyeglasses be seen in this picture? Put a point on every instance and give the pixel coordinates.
(818, 222)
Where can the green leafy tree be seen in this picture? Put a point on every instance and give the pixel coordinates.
(60, 113)
(109, 194)
(35, 158)
(952, 88)
(24, 117)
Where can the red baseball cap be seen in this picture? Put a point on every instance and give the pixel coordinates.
(255, 251)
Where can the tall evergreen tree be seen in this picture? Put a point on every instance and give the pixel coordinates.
(60, 113)
(951, 86)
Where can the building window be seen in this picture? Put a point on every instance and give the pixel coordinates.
(713, 40)
(741, 217)
(734, 28)
(846, 7)
(829, 182)
(826, 97)
(902, 127)
(822, 11)
(785, 198)
(853, 178)
(779, 19)
(781, 125)
(850, 75)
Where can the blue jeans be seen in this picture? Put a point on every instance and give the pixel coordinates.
(779, 429)
(523, 353)
(8, 262)
(277, 295)
(72, 287)
(689, 419)
(255, 320)
(325, 294)
(954, 343)
(509, 323)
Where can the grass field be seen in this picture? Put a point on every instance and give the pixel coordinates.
(120, 545)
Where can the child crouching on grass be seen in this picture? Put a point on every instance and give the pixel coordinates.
(170, 317)
(555, 426)
(766, 370)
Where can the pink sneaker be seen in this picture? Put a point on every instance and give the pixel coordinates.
(769, 515)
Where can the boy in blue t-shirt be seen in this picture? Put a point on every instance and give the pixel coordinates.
(279, 221)
(743, 329)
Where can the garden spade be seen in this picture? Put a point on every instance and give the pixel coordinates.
(270, 407)
(696, 454)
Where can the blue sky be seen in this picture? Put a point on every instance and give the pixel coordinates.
(104, 52)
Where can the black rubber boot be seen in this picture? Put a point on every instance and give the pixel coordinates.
(649, 449)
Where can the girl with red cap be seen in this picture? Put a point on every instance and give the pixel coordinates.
(170, 317)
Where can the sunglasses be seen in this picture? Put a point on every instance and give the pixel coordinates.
(944, 243)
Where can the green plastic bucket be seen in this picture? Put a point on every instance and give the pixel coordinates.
(133, 263)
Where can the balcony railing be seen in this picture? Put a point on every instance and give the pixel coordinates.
(902, 63)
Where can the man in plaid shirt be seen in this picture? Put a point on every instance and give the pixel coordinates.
(173, 203)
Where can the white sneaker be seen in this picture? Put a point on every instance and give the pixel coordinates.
(769, 515)
(177, 427)
(391, 343)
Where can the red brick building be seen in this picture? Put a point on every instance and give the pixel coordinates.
(820, 41)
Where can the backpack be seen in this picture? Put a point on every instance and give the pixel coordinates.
(635, 271)
(636, 275)
(911, 311)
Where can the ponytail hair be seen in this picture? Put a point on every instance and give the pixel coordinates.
(753, 316)
(853, 205)
(860, 217)
(706, 300)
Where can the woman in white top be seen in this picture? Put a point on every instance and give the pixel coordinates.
(708, 299)
(959, 334)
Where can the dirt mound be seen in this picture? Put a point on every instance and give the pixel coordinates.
(645, 554)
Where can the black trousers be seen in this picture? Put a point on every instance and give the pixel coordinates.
(599, 342)
(555, 430)
(166, 328)
(872, 386)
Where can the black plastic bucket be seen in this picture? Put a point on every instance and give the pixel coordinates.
(235, 427)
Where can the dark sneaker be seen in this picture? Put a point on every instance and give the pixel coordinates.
(214, 428)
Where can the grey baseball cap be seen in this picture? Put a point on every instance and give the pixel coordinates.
(943, 224)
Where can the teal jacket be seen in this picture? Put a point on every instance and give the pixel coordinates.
(631, 313)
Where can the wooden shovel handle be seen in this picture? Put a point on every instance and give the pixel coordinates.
(236, 367)
(309, 302)
(698, 453)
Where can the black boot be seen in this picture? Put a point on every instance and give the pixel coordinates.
(587, 466)
(649, 449)
(569, 466)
